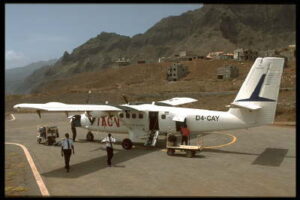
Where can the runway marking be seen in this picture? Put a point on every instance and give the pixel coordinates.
(234, 139)
(13, 118)
(36, 173)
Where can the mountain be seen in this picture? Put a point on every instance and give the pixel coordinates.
(15, 77)
(210, 28)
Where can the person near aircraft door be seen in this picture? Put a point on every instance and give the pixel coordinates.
(74, 133)
(109, 148)
(66, 150)
(185, 132)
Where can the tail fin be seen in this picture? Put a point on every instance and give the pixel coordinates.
(259, 92)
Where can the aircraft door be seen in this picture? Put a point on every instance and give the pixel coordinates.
(166, 123)
(153, 121)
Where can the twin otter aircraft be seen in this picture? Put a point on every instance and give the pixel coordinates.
(254, 105)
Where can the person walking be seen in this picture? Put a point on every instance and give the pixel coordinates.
(109, 148)
(66, 150)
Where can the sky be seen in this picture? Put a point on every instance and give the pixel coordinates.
(35, 32)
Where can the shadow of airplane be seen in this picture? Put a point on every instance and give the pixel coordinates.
(269, 157)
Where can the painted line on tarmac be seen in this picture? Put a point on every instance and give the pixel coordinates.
(36, 173)
(234, 139)
(13, 117)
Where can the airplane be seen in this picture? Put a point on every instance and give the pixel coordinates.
(254, 105)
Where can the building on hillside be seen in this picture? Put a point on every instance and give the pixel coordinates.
(122, 61)
(225, 56)
(176, 71)
(214, 55)
(227, 72)
(141, 62)
(244, 54)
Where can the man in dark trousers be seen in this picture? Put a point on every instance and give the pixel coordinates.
(73, 127)
(109, 148)
(185, 132)
(66, 150)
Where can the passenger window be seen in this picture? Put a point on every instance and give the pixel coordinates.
(141, 116)
(127, 115)
(133, 115)
(163, 116)
(121, 115)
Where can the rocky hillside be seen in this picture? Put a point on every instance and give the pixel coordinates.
(210, 28)
(15, 77)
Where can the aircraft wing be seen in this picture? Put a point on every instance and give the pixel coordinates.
(61, 107)
(178, 101)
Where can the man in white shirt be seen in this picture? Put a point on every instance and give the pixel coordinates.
(109, 148)
(66, 150)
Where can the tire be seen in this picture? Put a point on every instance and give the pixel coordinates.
(189, 153)
(89, 136)
(50, 141)
(170, 152)
(39, 140)
(127, 144)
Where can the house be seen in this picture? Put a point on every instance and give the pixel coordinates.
(227, 72)
(176, 71)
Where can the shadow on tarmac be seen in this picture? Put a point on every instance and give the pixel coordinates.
(95, 164)
(269, 157)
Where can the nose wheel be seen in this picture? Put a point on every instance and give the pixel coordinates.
(127, 144)
(90, 136)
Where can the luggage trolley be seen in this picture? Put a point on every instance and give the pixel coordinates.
(47, 135)
(189, 149)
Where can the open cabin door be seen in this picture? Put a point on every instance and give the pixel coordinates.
(153, 121)
(179, 124)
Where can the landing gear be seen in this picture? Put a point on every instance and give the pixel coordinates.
(89, 136)
(127, 144)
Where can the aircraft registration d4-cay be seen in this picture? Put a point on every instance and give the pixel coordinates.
(254, 105)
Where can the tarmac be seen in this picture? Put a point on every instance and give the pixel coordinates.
(254, 162)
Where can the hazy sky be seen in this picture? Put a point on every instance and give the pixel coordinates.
(35, 32)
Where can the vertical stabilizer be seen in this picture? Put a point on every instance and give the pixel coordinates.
(260, 89)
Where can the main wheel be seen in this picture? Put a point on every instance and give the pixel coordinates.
(127, 144)
(170, 152)
(39, 140)
(89, 136)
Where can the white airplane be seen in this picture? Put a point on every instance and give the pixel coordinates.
(254, 105)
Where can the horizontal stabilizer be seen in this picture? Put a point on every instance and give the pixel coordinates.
(246, 105)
